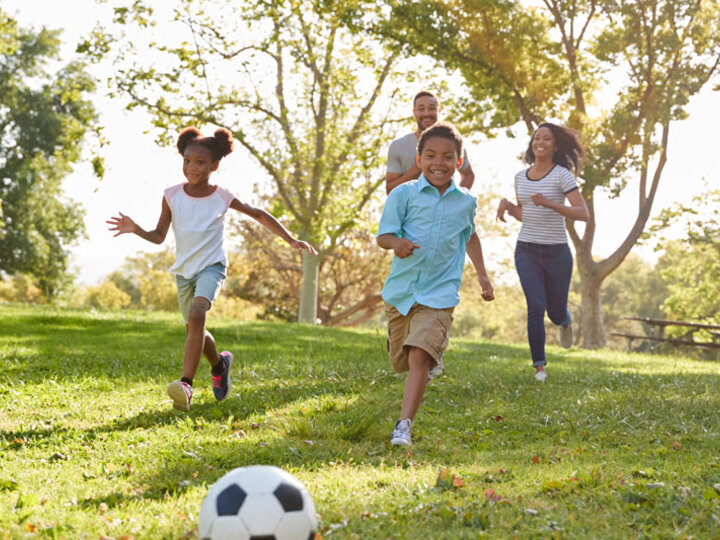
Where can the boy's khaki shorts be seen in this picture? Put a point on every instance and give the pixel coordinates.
(423, 327)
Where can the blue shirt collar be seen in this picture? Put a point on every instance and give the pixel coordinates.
(423, 183)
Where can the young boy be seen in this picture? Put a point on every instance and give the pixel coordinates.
(429, 223)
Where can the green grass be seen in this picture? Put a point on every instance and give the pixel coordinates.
(612, 446)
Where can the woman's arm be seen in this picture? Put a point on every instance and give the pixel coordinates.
(577, 209)
(515, 210)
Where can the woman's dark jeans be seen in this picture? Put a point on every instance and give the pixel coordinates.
(545, 271)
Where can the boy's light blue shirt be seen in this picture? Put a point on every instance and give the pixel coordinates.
(441, 226)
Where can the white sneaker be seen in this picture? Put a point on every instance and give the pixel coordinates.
(565, 336)
(437, 370)
(401, 433)
(541, 375)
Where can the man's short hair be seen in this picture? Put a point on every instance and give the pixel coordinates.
(423, 93)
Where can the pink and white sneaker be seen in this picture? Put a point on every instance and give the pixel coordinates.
(181, 394)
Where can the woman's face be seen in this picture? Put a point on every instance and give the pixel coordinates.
(543, 143)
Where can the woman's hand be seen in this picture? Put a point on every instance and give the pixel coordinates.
(502, 208)
(541, 200)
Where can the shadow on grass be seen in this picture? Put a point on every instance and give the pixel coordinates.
(307, 398)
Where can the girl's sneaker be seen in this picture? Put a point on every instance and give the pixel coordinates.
(221, 383)
(181, 394)
(401, 433)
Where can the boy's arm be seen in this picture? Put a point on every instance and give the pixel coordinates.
(474, 251)
(268, 221)
(124, 224)
(402, 247)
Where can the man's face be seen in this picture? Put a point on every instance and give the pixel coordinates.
(426, 112)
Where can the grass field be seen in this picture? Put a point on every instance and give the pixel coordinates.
(612, 446)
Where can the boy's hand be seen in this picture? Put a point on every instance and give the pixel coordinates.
(300, 245)
(404, 247)
(122, 224)
(487, 289)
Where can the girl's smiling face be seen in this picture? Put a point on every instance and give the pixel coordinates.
(198, 163)
(438, 161)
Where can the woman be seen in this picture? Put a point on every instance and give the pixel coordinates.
(542, 255)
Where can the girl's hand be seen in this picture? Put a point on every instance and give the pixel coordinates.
(404, 248)
(300, 245)
(122, 224)
(488, 293)
(541, 200)
(502, 208)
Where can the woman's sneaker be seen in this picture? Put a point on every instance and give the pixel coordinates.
(181, 394)
(221, 383)
(565, 336)
(401, 433)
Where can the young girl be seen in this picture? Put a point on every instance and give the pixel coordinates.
(196, 210)
(542, 255)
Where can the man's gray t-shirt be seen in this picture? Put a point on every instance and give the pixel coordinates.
(402, 152)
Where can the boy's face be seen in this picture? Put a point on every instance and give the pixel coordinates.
(438, 161)
(425, 112)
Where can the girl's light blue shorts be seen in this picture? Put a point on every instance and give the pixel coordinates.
(206, 284)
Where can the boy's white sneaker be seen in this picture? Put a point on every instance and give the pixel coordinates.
(540, 376)
(401, 433)
(565, 336)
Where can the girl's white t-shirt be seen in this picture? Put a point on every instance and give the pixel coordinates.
(542, 225)
(198, 224)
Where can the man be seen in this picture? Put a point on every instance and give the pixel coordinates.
(401, 164)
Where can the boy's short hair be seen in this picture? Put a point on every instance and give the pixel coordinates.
(423, 93)
(444, 130)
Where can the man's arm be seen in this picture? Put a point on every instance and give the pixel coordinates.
(393, 180)
(467, 177)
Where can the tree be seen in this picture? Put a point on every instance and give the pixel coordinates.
(350, 278)
(552, 61)
(44, 119)
(300, 85)
(690, 266)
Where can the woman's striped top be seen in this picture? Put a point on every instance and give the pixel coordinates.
(542, 225)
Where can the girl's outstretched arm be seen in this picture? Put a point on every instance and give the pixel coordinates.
(124, 224)
(269, 222)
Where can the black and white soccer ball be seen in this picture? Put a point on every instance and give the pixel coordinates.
(257, 502)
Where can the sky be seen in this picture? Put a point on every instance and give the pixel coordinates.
(138, 170)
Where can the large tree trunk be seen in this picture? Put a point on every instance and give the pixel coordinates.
(309, 290)
(591, 323)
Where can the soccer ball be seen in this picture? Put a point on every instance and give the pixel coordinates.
(257, 502)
